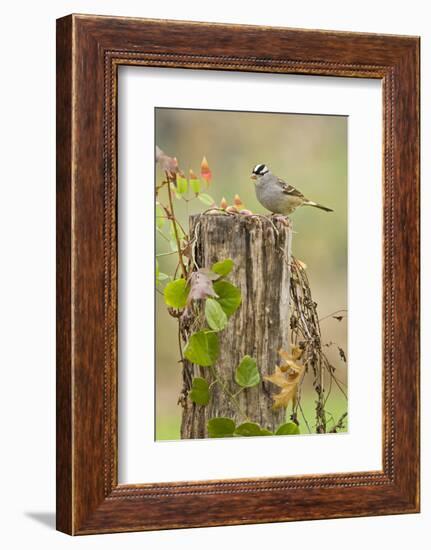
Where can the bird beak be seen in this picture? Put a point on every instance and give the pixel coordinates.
(253, 177)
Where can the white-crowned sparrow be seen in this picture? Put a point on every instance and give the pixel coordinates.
(278, 196)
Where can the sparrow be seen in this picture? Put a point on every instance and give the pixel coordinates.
(278, 196)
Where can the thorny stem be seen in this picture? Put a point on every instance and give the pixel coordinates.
(174, 221)
(180, 345)
(170, 217)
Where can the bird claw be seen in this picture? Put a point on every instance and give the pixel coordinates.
(280, 218)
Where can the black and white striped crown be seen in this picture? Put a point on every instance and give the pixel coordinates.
(260, 169)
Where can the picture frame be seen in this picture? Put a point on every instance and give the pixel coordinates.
(89, 51)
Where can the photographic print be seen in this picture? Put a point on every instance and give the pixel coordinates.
(251, 274)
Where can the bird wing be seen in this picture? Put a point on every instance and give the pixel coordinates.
(289, 189)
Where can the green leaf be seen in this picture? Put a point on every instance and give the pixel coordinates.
(200, 393)
(195, 184)
(220, 427)
(229, 296)
(206, 199)
(264, 431)
(246, 374)
(174, 190)
(223, 268)
(248, 429)
(182, 185)
(176, 293)
(214, 314)
(160, 216)
(290, 428)
(202, 348)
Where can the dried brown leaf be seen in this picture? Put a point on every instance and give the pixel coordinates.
(301, 264)
(166, 163)
(287, 377)
(232, 209)
(201, 286)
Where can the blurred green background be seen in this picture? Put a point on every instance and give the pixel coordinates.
(309, 152)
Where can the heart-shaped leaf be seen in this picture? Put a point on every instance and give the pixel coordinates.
(246, 374)
(200, 393)
(176, 293)
(223, 268)
(290, 428)
(202, 348)
(220, 427)
(248, 429)
(229, 296)
(214, 314)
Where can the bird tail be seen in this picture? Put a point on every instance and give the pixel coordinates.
(311, 203)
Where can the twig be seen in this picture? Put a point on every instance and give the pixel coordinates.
(180, 345)
(305, 419)
(307, 324)
(340, 424)
(231, 396)
(180, 256)
(332, 314)
(165, 253)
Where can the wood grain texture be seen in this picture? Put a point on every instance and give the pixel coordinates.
(90, 49)
(64, 496)
(261, 254)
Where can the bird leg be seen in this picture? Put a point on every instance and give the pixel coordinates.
(285, 220)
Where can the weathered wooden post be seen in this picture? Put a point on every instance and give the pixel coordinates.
(260, 249)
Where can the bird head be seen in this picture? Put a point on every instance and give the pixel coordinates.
(258, 171)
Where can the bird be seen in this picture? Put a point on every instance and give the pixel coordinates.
(278, 196)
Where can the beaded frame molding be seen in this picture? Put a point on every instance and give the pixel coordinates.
(89, 51)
